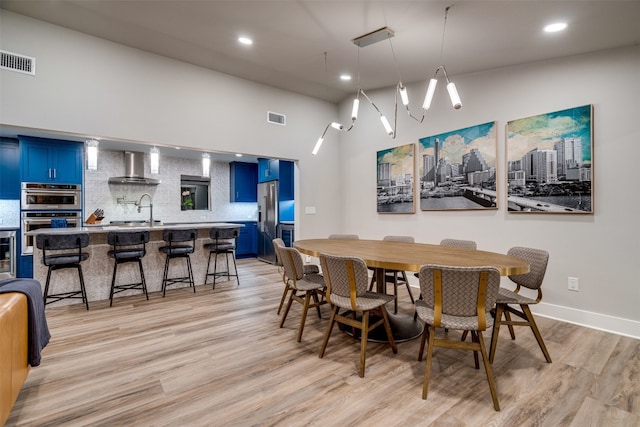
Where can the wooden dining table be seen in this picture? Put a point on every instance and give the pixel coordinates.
(384, 255)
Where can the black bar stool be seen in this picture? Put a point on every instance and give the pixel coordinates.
(224, 242)
(128, 246)
(61, 251)
(179, 250)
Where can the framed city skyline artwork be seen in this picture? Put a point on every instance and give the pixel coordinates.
(549, 162)
(457, 169)
(395, 179)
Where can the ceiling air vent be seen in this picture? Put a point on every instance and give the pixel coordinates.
(275, 118)
(19, 63)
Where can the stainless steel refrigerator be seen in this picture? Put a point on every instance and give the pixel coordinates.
(267, 220)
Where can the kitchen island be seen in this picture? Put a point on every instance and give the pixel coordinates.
(98, 269)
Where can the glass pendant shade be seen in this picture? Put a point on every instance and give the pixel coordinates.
(155, 160)
(206, 164)
(92, 154)
(453, 94)
(317, 146)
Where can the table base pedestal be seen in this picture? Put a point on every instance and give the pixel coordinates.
(403, 328)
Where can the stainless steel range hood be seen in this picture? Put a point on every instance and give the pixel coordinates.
(133, 171)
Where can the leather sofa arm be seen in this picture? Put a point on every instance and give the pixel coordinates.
(14, 366)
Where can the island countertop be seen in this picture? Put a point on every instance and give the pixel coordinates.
(98, 268)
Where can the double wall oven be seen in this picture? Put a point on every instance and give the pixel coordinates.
(41, 202)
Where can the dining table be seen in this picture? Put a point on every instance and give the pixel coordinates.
(382, 255)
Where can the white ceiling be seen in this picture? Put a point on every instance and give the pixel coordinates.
(303, 46)
(291, 37)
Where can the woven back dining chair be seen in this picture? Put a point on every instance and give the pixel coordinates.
(346, 279)
(457, 298)
(507, 299)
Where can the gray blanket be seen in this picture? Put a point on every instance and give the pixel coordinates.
(38, 330)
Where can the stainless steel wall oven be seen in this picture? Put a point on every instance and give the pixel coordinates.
(34, 220)
(39, 196)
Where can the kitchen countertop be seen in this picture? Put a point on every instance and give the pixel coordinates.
(103, 228)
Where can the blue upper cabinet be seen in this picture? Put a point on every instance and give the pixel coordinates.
(285, 184)
(268, 170)
(9, 169)
(50, 160)
(243, 182)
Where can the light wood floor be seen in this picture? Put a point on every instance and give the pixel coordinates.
(218, 358)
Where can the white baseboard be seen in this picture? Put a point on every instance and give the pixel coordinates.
(616, 325)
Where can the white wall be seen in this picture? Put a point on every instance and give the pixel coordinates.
(89, 86)
(602, 249)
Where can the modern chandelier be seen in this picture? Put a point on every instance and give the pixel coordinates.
(374, 37)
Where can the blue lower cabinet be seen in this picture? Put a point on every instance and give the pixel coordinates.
(25, 266)
(247, 242)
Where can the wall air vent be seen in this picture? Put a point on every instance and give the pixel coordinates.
(19, 63)
(275, 118)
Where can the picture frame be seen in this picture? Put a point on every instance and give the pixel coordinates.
(458, 169)
(549, 162)
(395, 180)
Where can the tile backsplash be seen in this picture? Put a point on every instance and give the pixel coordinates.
(9, 213)
(117, 199)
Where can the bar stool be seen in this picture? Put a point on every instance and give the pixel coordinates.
(60, 251)
(128, 246)
(224, 242)
(179, 250)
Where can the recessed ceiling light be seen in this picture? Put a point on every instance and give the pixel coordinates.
(245, 40)
(345, 77)
(238, 155)
(558, 26)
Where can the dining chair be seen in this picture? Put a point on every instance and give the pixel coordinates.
(395, 276)
(344, 236)
(538, 260)
(346, 280)
(457, 298)
(453, 243)
(307, 268)
(311, 284)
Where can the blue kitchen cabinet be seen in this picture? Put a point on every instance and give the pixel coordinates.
(25, 266)
(50, 160)
(247, 241)
(243, 182)
(9, 169)
(285, 180)
(268, 170)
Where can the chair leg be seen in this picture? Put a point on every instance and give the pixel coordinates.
(284, 297)
(215, 269)
(507, 315)
(192, 282)
(235, 267)
(314, 294)
(474, 338)
(286, 310)
(142, 279)
(373, 280)
(395, 293)
(363, 342)
(113, 282)
(387, 328)
(164, 277)
(425, 336)
(305, 309)
(427, 365)
(327, 334)
(495, 332)
(536, 332)
(487, 368)
(406, 282)
(206, 274)
(82, 288)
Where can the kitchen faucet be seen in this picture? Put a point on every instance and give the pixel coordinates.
(150, 206)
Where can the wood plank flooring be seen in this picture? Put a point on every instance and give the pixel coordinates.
(218, 358)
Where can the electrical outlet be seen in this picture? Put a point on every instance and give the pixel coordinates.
(573, 284)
